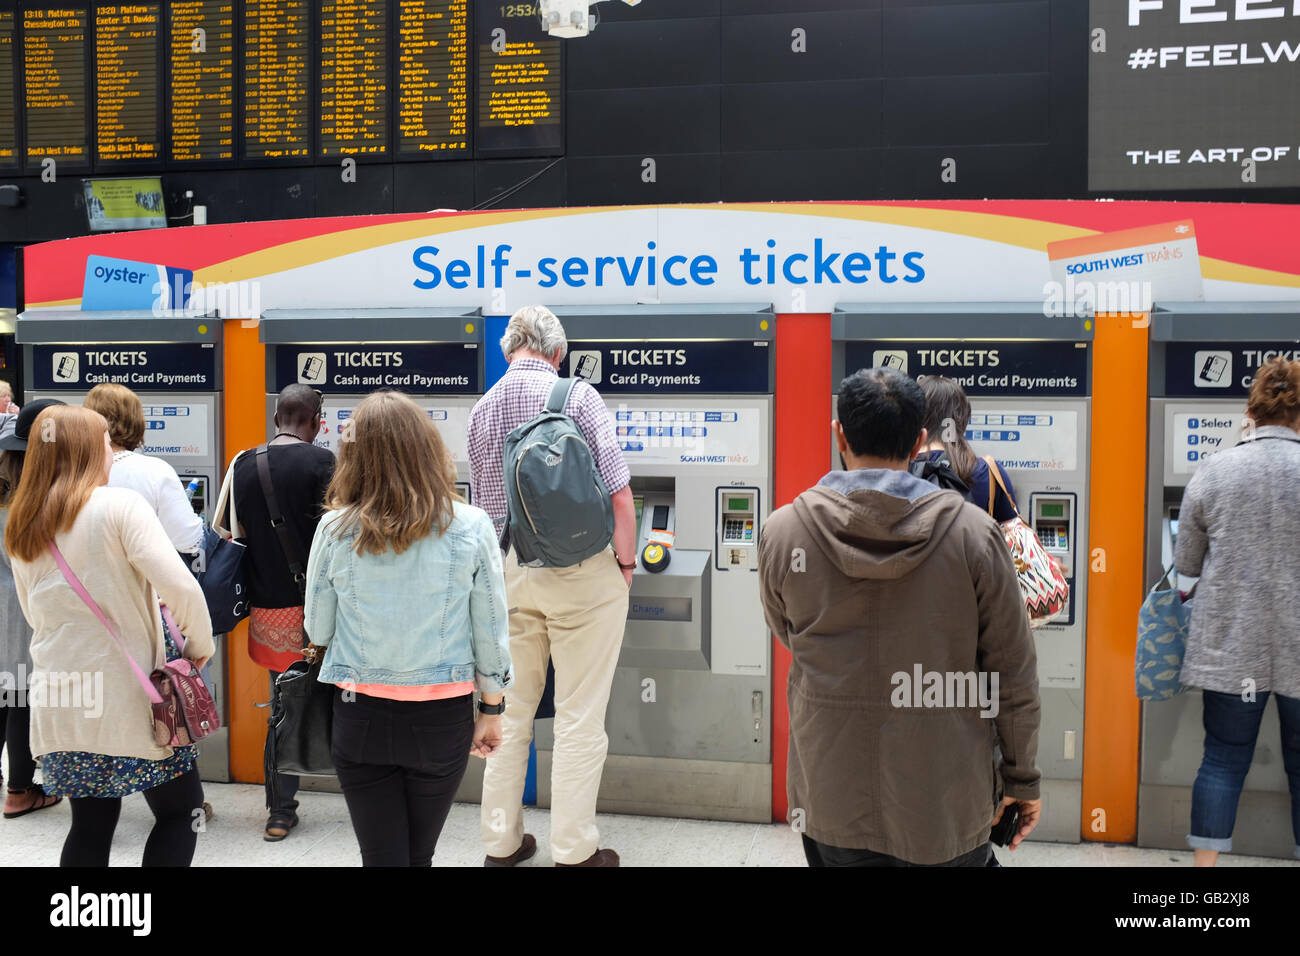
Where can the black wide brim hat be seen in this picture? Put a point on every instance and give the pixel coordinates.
(22, 429)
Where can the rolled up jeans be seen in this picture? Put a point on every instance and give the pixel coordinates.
(1231, 729)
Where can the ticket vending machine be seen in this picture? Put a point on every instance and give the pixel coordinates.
(175, 365)
(1029, 382)
(433, 355)
(1203, 359)
(689, 392)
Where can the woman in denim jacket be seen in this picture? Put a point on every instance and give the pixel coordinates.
(405, 590)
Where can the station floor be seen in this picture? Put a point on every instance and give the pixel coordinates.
(324, 838)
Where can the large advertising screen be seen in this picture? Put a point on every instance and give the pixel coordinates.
(1193, 94)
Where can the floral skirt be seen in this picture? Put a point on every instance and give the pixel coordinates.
(75, 773)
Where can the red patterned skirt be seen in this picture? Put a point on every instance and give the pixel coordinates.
(275, 636)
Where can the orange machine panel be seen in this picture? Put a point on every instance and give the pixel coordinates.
(1116, 517)
(245, 417)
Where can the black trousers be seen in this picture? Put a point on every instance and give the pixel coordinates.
(282, 795)
(400, 763)
(821, 854)
(176, 805)
(15, 724)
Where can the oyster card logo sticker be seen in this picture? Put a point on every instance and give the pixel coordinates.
(133, 286)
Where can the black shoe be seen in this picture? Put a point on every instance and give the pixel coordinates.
(280, 822)
(526, 849)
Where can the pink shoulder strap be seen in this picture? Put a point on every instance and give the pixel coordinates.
(82, 593)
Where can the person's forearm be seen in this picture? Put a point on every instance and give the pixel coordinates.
(624, 525)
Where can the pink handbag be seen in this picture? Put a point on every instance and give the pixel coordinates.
(183, 709)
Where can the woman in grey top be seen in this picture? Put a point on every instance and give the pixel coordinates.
(1238, 531)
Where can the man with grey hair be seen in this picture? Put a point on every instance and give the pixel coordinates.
(574, 615)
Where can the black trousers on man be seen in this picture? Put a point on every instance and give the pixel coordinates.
(821, 854)
(400, 763)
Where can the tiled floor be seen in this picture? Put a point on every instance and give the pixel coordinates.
(324, 838)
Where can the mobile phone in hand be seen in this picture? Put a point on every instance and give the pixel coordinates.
(1004, 831)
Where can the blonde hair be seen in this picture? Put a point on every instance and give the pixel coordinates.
(122, 409)
(63, 466)
(395, 481)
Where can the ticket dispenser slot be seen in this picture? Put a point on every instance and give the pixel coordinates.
(668, 608)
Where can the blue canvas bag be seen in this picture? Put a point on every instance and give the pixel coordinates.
(1162, 641)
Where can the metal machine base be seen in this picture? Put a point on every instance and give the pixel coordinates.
(1062, 804)
(661, 787)
(1263, 821)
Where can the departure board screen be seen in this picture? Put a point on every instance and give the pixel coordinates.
(432, 77)
(8, 105)
(127, 124)
(202, 80)
(54, 61)
(520, 88)
(353, 77)
(277, 79)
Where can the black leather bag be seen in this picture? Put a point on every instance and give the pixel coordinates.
(302, 720)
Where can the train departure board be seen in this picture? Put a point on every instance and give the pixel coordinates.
(353, 77)
(432, 77)
(202, 80)
(8, 105)
(277, 79)
(54, 64)
(127, 123)
(520, 88)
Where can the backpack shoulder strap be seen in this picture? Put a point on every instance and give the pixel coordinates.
(995, 475)
(288, 543)
(559, 396)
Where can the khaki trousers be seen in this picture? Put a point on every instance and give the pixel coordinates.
(575, 616)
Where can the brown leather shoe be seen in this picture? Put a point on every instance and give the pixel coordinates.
(526, 849)
(599, 858)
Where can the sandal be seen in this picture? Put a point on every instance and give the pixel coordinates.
(279, 823)
(40, 801)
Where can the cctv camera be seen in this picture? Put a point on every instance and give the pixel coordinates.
(570, 18)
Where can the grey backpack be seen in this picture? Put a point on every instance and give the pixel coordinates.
(559, 512)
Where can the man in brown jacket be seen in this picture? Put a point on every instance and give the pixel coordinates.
(912, 655)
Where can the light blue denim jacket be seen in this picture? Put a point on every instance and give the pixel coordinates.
(434, 614)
